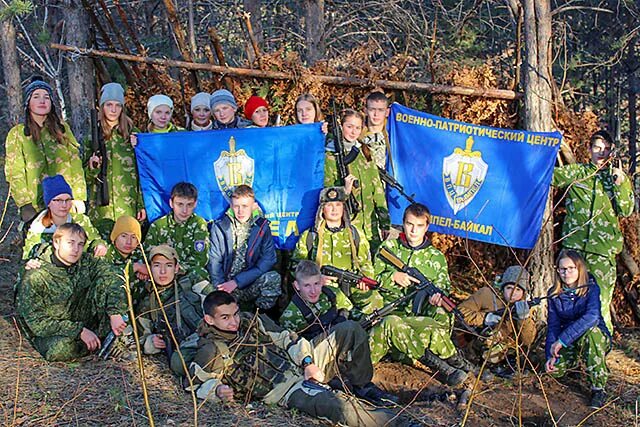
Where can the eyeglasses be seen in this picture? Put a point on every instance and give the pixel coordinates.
(566, 270)
(62, 201)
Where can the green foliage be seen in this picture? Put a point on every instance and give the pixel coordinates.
(16, 8)
(44, 37)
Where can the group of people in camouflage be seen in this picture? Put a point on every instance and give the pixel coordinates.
(185, 281)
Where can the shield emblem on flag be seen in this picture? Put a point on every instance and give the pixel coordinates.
(233, 168)
(463, 173)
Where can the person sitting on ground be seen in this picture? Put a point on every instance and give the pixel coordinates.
(201, 112)
(58, 197)
(256, 109)
(185, 230)
(71, 301)
(576, 330)
(485, 309)
(181, 299)
(244, 356)
(242, 253)
(224, 108)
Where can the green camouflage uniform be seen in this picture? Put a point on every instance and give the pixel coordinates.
(184, 316)
(378, 142)
(336, 251)
(125, 197)
(115, 258)
(55, 302)
(28, 162)
(38, 235)
(591, 227)
(293, 319)
(433, 328)
(592, 348)
(190, 239)
(374, 215)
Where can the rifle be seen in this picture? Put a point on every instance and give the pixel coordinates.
(346, 279)
(375, 317)
(425, 289)
(390, 181)
(107, 345)
(162, 329)
(537, 300)
(352, 204)
(100, 149)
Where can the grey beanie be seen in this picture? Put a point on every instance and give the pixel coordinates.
(223, 96)
(517, 275)
(200, 99)
(156, 101)
(111, 92)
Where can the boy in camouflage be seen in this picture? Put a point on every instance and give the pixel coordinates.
(597, 193)
(433, 325)
(375, 134)
(71, 301)
(486, 309)
(184, 230)
(335, 241)
(242, 253)
(181, 299)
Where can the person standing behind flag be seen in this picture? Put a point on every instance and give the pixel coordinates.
(41, 146)
(200, 112)
(256, 109)
(224, 108)
(160, 111)
(308, 111)
(373, 214)
(124, 195)
(375, 134)
(597, 193)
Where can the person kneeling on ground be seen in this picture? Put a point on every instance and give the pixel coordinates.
(71, 300)
(246, 356)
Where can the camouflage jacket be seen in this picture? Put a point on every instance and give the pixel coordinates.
(370, 195)
(378, 142)
(38, 234)
(429, 260)
(190, 239)
(182, 302)
(28, 162)
(293, 319)
(125, 197)
(593, 204)
(49, 298)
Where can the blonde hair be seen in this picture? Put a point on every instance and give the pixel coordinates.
(316, 106)
(583, 273)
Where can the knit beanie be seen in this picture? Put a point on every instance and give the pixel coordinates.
(252, 105)
(222, 96)
(36, 83)
(200, 99)
(517, 275)
(156, 101)
(126, 224)
(53, 186)
(111, 92)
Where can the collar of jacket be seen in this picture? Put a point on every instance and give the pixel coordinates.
(211, 332)
(257, 213)
(403, 239)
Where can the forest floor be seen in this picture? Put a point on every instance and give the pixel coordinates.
(93, 392)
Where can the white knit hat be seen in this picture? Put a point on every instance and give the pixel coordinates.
(156, 101)
(201, 99)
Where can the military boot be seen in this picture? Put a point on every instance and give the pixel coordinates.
(445, 373)
(458, 361)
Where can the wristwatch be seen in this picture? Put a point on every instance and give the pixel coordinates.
(308, 360)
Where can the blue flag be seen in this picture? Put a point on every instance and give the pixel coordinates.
(283, 165)
(481, 183)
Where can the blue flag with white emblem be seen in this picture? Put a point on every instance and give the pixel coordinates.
(283, 165)
(479, 182)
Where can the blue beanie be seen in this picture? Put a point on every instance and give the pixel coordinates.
(111, 92)
(36, 83)
(53, 186)
(223, 96)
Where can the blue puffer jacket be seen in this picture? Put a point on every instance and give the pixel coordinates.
(260, 256)
(570, 316)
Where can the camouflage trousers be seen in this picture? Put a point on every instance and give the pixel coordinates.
(407, 337)
(263, 293)
(592, 348)
(364, 301)
(604, 270)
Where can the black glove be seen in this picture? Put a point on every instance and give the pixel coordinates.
(27, 213)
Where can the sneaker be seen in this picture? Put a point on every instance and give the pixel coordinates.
(598, 398)
(374, 394)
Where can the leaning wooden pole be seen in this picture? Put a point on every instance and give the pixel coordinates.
(277, 75)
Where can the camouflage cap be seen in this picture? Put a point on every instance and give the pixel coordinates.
(165, 250)
(332, 194)
(517, 275)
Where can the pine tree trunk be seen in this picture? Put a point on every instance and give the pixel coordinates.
(11, 71)
(537, 117)
(314, 26)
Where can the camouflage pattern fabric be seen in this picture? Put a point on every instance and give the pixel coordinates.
(374, 214)
(263, 293)
(591, 226)
(55, 302)
(38, 234)
(190, 239)
(120, 262)
(125, 196)
(240, 243)
(592, 349)
(293, 319)
(378, 143)
(28, 162)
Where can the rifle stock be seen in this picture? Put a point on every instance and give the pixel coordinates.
(346, 278)
(343, 170)
(99, 148)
